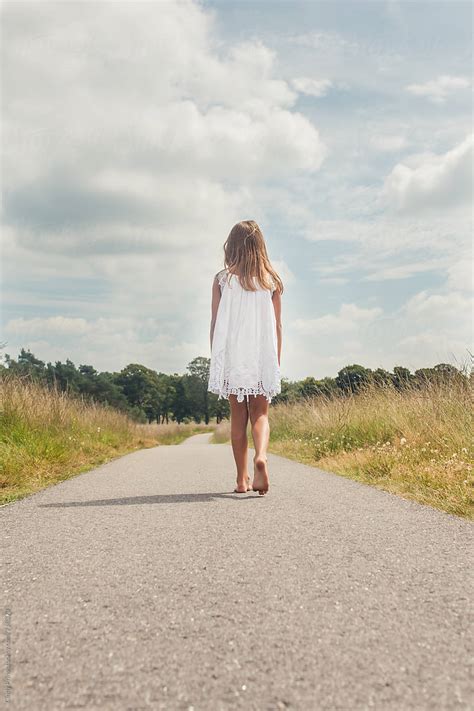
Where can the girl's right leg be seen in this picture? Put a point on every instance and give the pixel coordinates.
(239, 417)
(258, 411)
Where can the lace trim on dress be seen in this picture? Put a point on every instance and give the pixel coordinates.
(221, 278)
(225, 391)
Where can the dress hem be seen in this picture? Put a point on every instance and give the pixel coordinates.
(243, 392)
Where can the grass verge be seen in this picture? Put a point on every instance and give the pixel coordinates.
(47, 436)
(417, 443)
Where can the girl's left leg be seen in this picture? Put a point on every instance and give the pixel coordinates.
(239, 416)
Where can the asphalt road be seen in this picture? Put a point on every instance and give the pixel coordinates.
(146, 584)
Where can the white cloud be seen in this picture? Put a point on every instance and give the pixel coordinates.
(425, 330)
(431, 182)
(312, 87)
(105, 343)
(384, 238)
(326, 40)
(438, 90)
(460, 272)
(404, 271)
(436, 326)
(321, 346)
(140, 113)
(349, 318)
(439, 309)
(54, 325)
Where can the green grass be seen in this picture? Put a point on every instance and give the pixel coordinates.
(47, 437)
(414, 443)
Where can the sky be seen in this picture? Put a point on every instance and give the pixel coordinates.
(136, 134)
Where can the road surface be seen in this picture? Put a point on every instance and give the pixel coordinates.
(147, 584)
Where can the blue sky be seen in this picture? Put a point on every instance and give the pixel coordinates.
(136, 134)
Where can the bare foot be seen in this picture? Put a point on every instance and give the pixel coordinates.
(243, 488)
(260, 476)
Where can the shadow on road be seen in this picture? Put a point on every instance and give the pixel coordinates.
(156, 499)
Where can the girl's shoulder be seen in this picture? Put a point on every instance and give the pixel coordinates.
(221, 276)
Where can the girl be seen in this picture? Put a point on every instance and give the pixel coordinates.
(246, 341)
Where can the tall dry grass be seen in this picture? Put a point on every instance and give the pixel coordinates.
(417, 443)
(221, 433)
(47, 436)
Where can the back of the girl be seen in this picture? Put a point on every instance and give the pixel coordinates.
(246, 338)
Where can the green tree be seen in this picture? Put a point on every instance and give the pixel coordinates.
(308, 387)
(199, 369)
(382, 378)
(179, 404)
(139, 385)
(166, 397)
(352, 378)
(401, 377)
(26, 366)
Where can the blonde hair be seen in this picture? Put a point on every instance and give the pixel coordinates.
(245, 254)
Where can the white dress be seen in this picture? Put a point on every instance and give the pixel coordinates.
(244, 354)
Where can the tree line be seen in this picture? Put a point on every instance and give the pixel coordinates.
(150, 396)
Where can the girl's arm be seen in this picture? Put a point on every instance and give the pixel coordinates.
(276, 298)
(215, 298)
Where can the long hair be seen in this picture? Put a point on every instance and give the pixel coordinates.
(245, 254)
